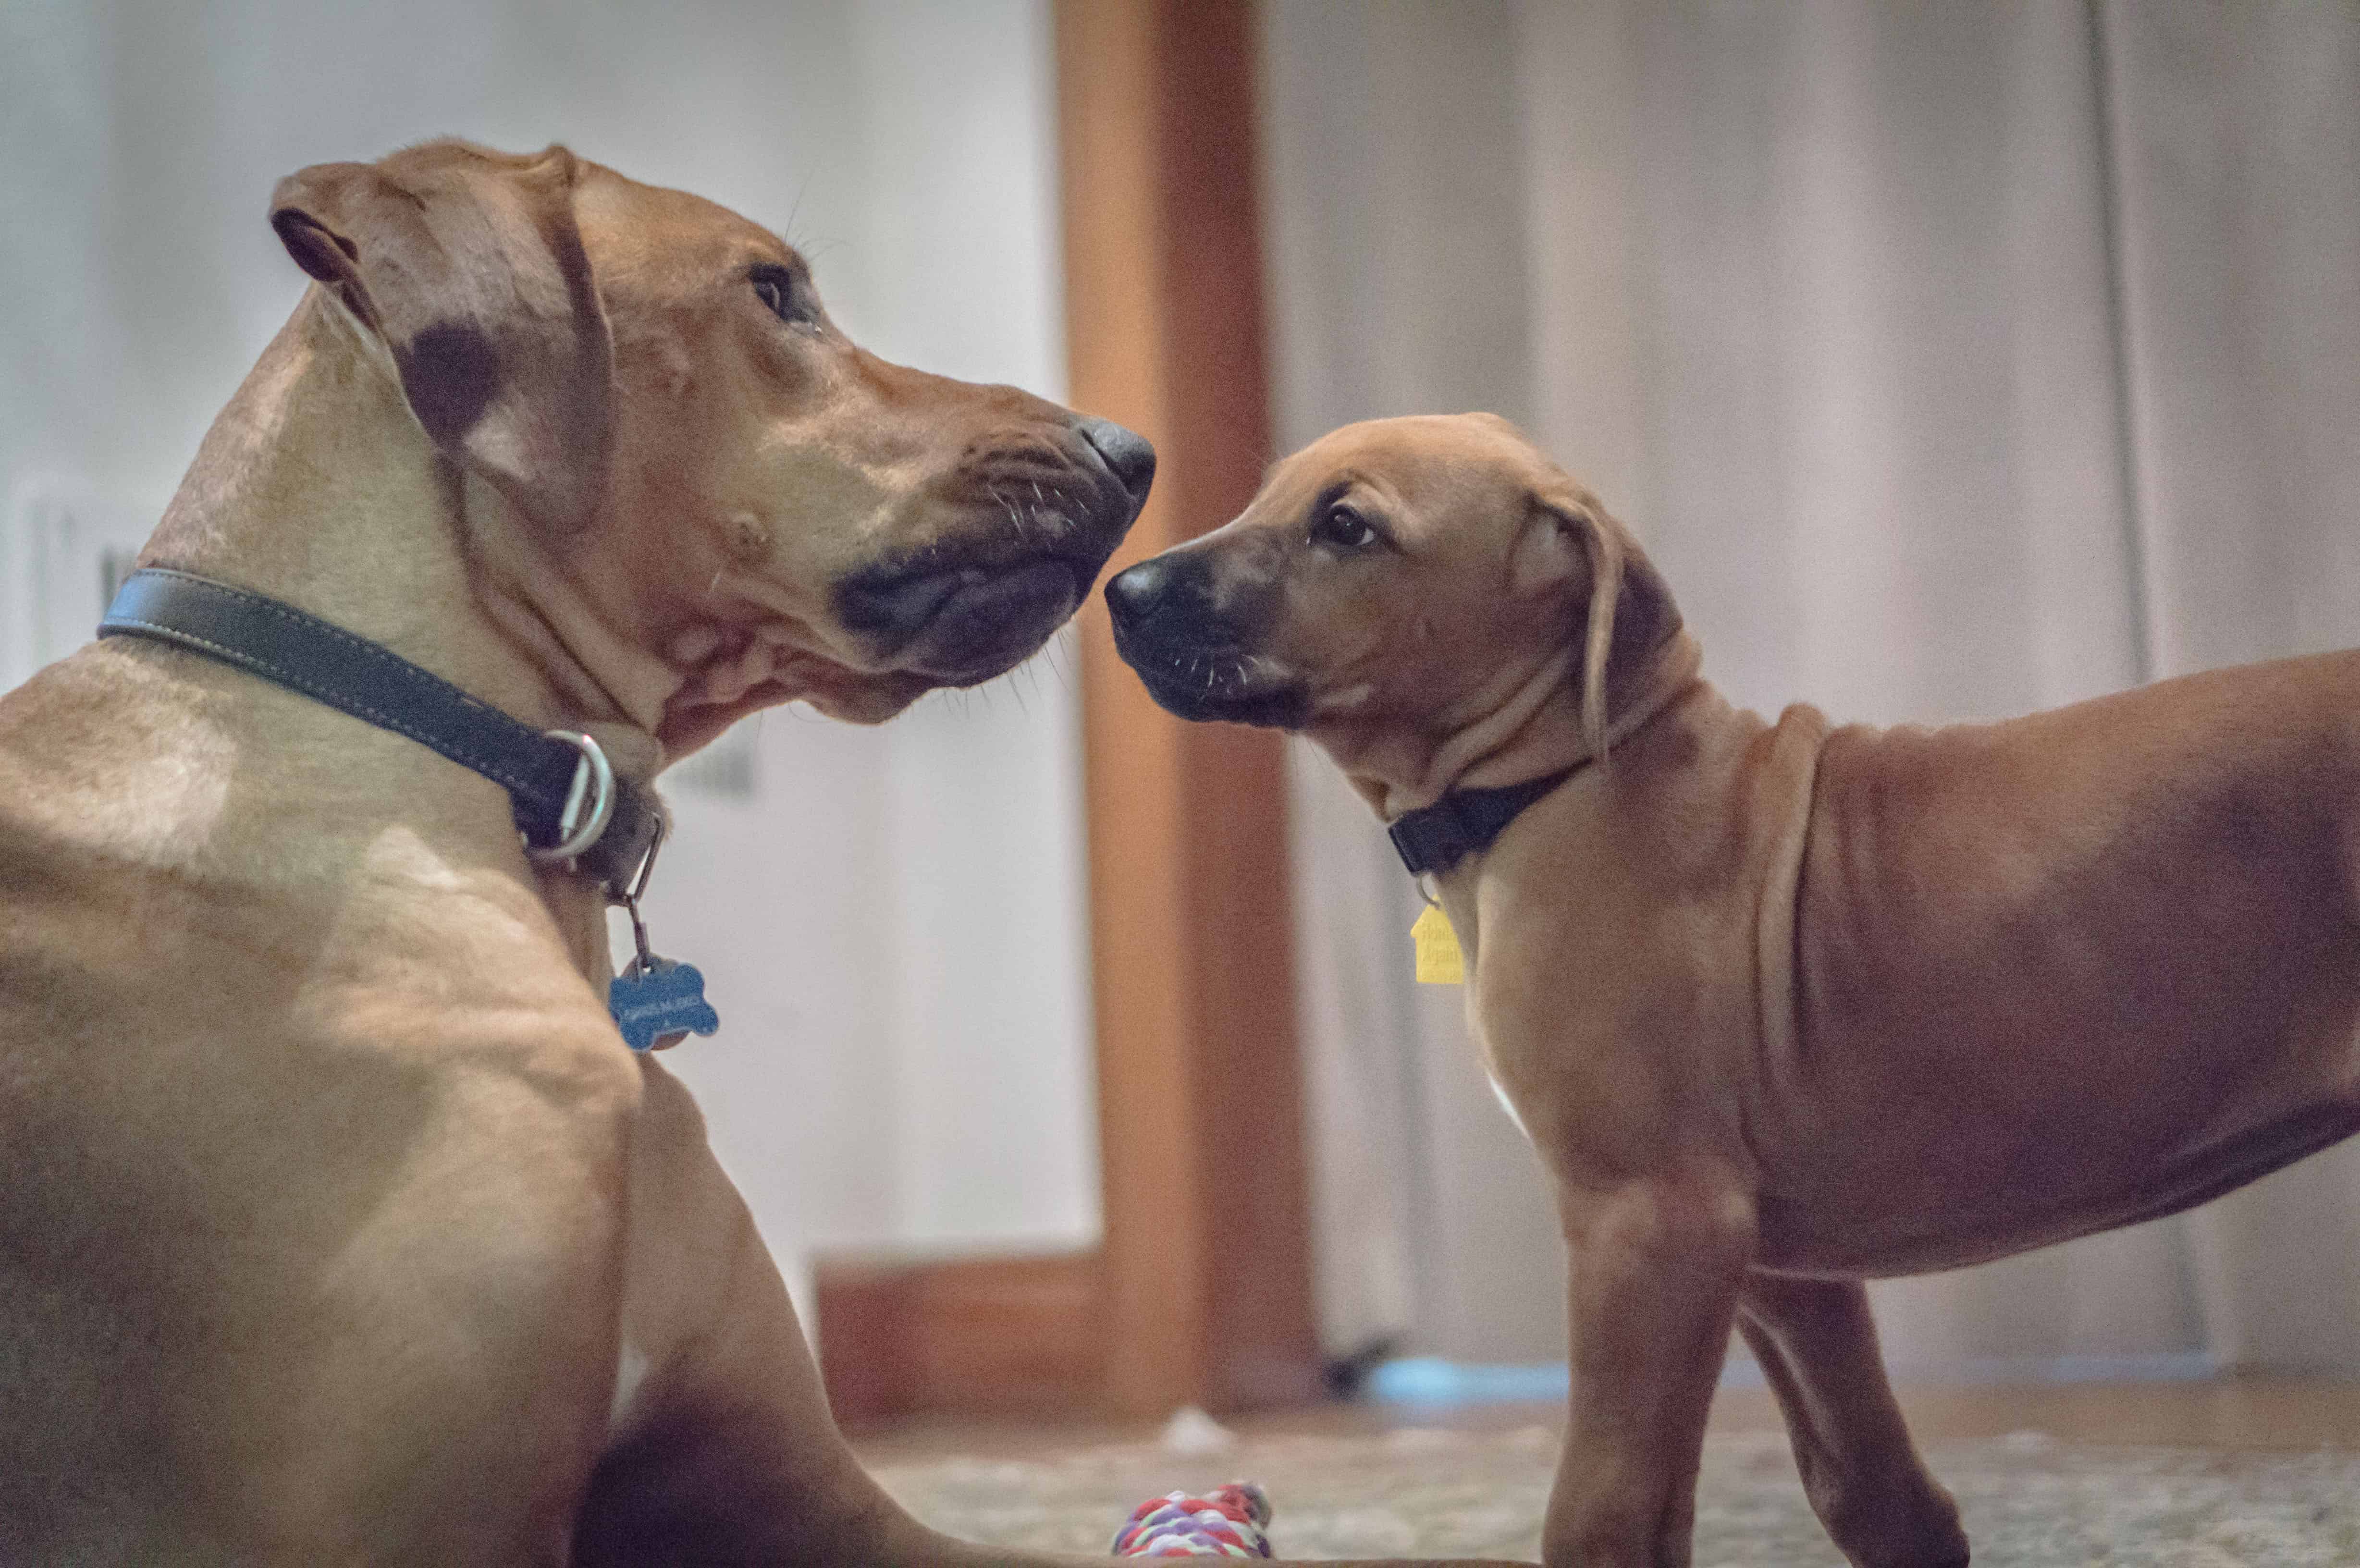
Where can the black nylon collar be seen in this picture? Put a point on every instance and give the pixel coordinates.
(1463, 823)
(544, 775)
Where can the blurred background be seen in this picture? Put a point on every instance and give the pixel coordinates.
(891, 919)
(1952, 361)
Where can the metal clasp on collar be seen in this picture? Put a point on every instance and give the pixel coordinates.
(644, 959)
(589, 803)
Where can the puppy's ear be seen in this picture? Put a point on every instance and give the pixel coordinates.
(469, 266)
(1625, 610)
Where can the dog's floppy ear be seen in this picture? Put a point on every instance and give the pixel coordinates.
(470, 266)
(1626, 612)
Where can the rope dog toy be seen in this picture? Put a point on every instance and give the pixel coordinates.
(1227, 1523)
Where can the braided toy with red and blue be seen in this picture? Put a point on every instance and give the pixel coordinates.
(1227, 1523)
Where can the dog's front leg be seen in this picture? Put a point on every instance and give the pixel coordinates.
(1655, 1268)
(1816, 1345)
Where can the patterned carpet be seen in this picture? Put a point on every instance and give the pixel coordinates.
(2030, 1500)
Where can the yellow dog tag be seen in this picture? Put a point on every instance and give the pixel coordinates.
(1440, 962)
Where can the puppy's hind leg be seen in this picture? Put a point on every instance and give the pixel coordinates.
(1817, 1347)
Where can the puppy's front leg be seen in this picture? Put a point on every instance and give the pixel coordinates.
(1655, 1268)
(1816, 1345)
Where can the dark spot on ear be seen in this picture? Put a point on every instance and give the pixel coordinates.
(1644, 615)
(452, 372)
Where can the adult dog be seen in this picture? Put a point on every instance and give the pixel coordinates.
(336, 1223)
(1783, 1005)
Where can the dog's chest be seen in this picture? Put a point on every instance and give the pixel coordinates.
(1507, 1102)
(1501, 1069)
(630, 1371)
(1464, 928)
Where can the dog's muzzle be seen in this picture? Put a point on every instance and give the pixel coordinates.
(1127, 455)
(1195, 660)
(971, 607)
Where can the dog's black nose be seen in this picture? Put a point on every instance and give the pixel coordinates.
(1128, 455)
(1138, 592)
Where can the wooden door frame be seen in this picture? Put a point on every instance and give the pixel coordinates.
(1201, 1291)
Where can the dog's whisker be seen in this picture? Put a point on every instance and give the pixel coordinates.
(1015, 515)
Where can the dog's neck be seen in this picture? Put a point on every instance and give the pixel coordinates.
(317, 486)
(1529, 725)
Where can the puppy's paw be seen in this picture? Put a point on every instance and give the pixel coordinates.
(1908, 1520)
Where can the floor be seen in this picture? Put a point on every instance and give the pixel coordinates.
(2228, 1474)
(2230, 1413)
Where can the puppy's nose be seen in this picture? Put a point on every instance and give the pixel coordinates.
(1137, 593)
(1128, 455)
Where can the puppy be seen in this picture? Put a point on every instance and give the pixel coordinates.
(1785, 1006)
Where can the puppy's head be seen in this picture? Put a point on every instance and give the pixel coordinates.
(1396, 578)
(652, 382)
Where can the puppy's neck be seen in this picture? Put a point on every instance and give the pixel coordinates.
(1530, 727)
(317, 486)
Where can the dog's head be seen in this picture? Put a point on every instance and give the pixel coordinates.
(651, 381)
(1396, 578)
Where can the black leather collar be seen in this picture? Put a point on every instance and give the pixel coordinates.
(569, 804)
(1463, 823)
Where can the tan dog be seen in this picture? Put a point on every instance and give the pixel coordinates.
(1784, 1006)
(336, 1224)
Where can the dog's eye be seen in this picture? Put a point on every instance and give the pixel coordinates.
(1343, 527)
(775, 287)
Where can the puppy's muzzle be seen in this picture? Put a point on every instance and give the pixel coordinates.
(978, 601)
(1171, 593)
(1190, 646)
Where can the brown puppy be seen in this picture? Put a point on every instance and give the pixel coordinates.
(336, 1223)
(1784, 1006)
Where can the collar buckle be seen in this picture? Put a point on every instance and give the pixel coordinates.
(589, 803)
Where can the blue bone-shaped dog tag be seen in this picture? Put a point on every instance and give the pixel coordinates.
(665, 997)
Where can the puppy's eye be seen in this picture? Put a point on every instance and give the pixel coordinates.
(1343, 527)
(776, 288)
